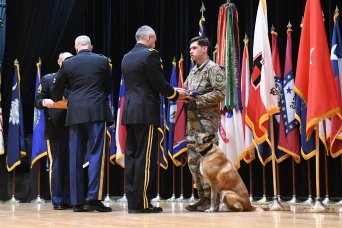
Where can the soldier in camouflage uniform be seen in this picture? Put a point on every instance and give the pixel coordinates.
(207, 82)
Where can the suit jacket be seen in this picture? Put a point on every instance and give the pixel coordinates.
(88, 77)
(144, 81)
(54, 118)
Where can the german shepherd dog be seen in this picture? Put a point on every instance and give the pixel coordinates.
(220, 174)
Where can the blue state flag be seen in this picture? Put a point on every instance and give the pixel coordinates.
(16, 137)
(39, 145)
(163, 130)
(111, 132)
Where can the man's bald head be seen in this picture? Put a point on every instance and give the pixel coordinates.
(63, 56)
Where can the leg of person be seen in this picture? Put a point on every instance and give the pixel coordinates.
(130, 151)
(96, 140)
(56, 173)
(66, 169)
(193, 164)
(145, 135)
(77, 146)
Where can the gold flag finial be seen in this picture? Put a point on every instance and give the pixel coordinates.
(202, 9)
(336, 13)
(273, 32)
(289, 27)
(16, 61)
(245, 40)
(174, 60)
(301, 23)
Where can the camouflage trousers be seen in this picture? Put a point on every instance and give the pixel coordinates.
(203, 189)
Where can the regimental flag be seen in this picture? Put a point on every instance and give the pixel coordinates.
(335, 132)
(120, 135)
(163, 130)
(314, 79)
(179, 145)
(2, 145)
(278, 78)
(221, 35)
(262, 101)
(16, 137)
(39, 144)
(171, 113)
(248, 152)
(289, 127)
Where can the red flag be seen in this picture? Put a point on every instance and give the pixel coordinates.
(289, 126)
(314, 79)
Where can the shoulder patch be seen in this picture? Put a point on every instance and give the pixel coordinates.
(153, 50)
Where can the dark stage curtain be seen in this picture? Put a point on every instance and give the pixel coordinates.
(44, 28)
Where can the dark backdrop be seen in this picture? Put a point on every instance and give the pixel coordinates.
(44, 28)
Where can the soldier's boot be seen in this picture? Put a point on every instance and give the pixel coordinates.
(194, 206)
(204, 206)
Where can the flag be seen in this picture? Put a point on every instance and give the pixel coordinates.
(314, 78)
(120, 135)
(248, 150)
(262, 101)
(163, 130)
(16, 137)
(2, 145)
(39, 144)
(289, 127)
(171, 113)
(111, 132)
(335, 124)
(179, 145)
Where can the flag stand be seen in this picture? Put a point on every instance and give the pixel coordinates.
(107, 199)
(278, 183)
(158, 198)
(250, 183)
(13, 200)
(192, 197)
(173, 198)
(38, 200)
(123, 199)
(275, 205)
(181, 197)
(294, 200)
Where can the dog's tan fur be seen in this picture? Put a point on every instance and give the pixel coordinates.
(221, 175)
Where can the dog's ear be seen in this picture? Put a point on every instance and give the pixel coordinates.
(208, 138)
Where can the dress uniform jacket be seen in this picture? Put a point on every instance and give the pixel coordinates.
(87, 102)
(54, 118)
(144, 82)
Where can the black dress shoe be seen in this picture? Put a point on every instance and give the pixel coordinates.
(58, 206)
(96, 205)
(79, 208)
(147, 210)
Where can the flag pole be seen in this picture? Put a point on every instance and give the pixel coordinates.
(263, 199)
(107, 199)
(278, 182)
(275, 205)
(173, 197)
(38, 200)
(13, 200)
(250, 183)
(309, 200)
(181, 197)
(123, 199)
(192, 198)
(157, 198)
(294, 200)
(326, 201)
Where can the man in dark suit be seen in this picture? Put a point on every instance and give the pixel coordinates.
(57, 138)
(88, 77)
(144, 81)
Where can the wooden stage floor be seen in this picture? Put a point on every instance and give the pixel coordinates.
(174, 215)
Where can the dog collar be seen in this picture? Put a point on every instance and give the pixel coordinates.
(204, 152)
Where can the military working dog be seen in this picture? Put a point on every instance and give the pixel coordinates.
(220, 174)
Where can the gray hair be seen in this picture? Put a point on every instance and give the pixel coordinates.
(64, 55)
(143, 32)
(82, 40)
